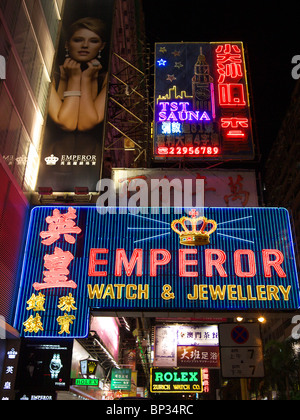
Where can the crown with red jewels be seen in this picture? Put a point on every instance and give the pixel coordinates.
(192, 230)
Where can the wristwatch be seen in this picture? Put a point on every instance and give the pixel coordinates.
(55, 366)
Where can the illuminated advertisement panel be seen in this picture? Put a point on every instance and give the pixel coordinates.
(177, 381)
(212, 259)
(202, 107)
(186, 346)
(72, 145)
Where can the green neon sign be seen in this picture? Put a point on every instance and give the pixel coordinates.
(176, 380)
(87, 382)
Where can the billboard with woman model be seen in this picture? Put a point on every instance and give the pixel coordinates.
(71, 155)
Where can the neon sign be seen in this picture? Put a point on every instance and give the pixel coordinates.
(213, 259)
(56, 274)
(204, 103)
(176, 381)
(179, 111)
(190, 151)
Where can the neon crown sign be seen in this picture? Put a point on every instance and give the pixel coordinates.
(192, 234)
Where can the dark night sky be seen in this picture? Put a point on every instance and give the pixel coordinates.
(269, 30)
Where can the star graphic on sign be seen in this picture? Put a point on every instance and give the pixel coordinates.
(176, 53)
(162, 62)
(163, 50)
(178, 65)
(171, 77)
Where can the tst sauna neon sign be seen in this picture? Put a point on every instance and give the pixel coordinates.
(180, 112)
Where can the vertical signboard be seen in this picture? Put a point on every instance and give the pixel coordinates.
(71, 154)
(202, 107)
(9, 372)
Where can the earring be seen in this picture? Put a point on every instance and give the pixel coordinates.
(100, 55)
(67, 53)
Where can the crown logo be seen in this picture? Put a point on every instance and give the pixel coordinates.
(51, 160)
(192, 231)
(22, 160)
(12, 354)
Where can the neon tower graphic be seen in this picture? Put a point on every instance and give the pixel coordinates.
(201, 84)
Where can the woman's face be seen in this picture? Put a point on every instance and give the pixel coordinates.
(84, 45)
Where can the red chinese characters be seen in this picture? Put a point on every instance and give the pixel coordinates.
(60, 224)
(237, 191)
(235, 127)
(229, 62)
(232, 92)
(57, 271)
(56, 264)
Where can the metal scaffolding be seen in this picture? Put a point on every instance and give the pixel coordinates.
(127, 127)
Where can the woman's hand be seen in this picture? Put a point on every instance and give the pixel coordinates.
(92, 71)
(71, 68)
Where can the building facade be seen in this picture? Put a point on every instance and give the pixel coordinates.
(28, 31)
(282, 189)
(282, 180)
(32, 43)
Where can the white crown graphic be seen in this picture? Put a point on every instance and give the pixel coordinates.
(22, 160)
(12, 354)
(51, 160)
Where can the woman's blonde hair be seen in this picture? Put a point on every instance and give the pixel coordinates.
(92, 24)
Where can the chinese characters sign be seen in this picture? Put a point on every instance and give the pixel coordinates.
(121, 380)
(10, 365)
(78, 260)
(62, 230)
(202, 106)
(194, 356)
(187, 346)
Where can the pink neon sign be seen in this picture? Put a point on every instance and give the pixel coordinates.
(180, 112)
(56, 264)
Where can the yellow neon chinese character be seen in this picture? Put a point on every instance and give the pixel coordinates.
(64, 323)
(67, 303)
(33, 324)
(36, 303)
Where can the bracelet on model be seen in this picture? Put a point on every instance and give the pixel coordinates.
(72, 93)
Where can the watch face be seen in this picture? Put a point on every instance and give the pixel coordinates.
(55, 365)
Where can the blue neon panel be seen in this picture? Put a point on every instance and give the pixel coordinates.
(250, 229)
